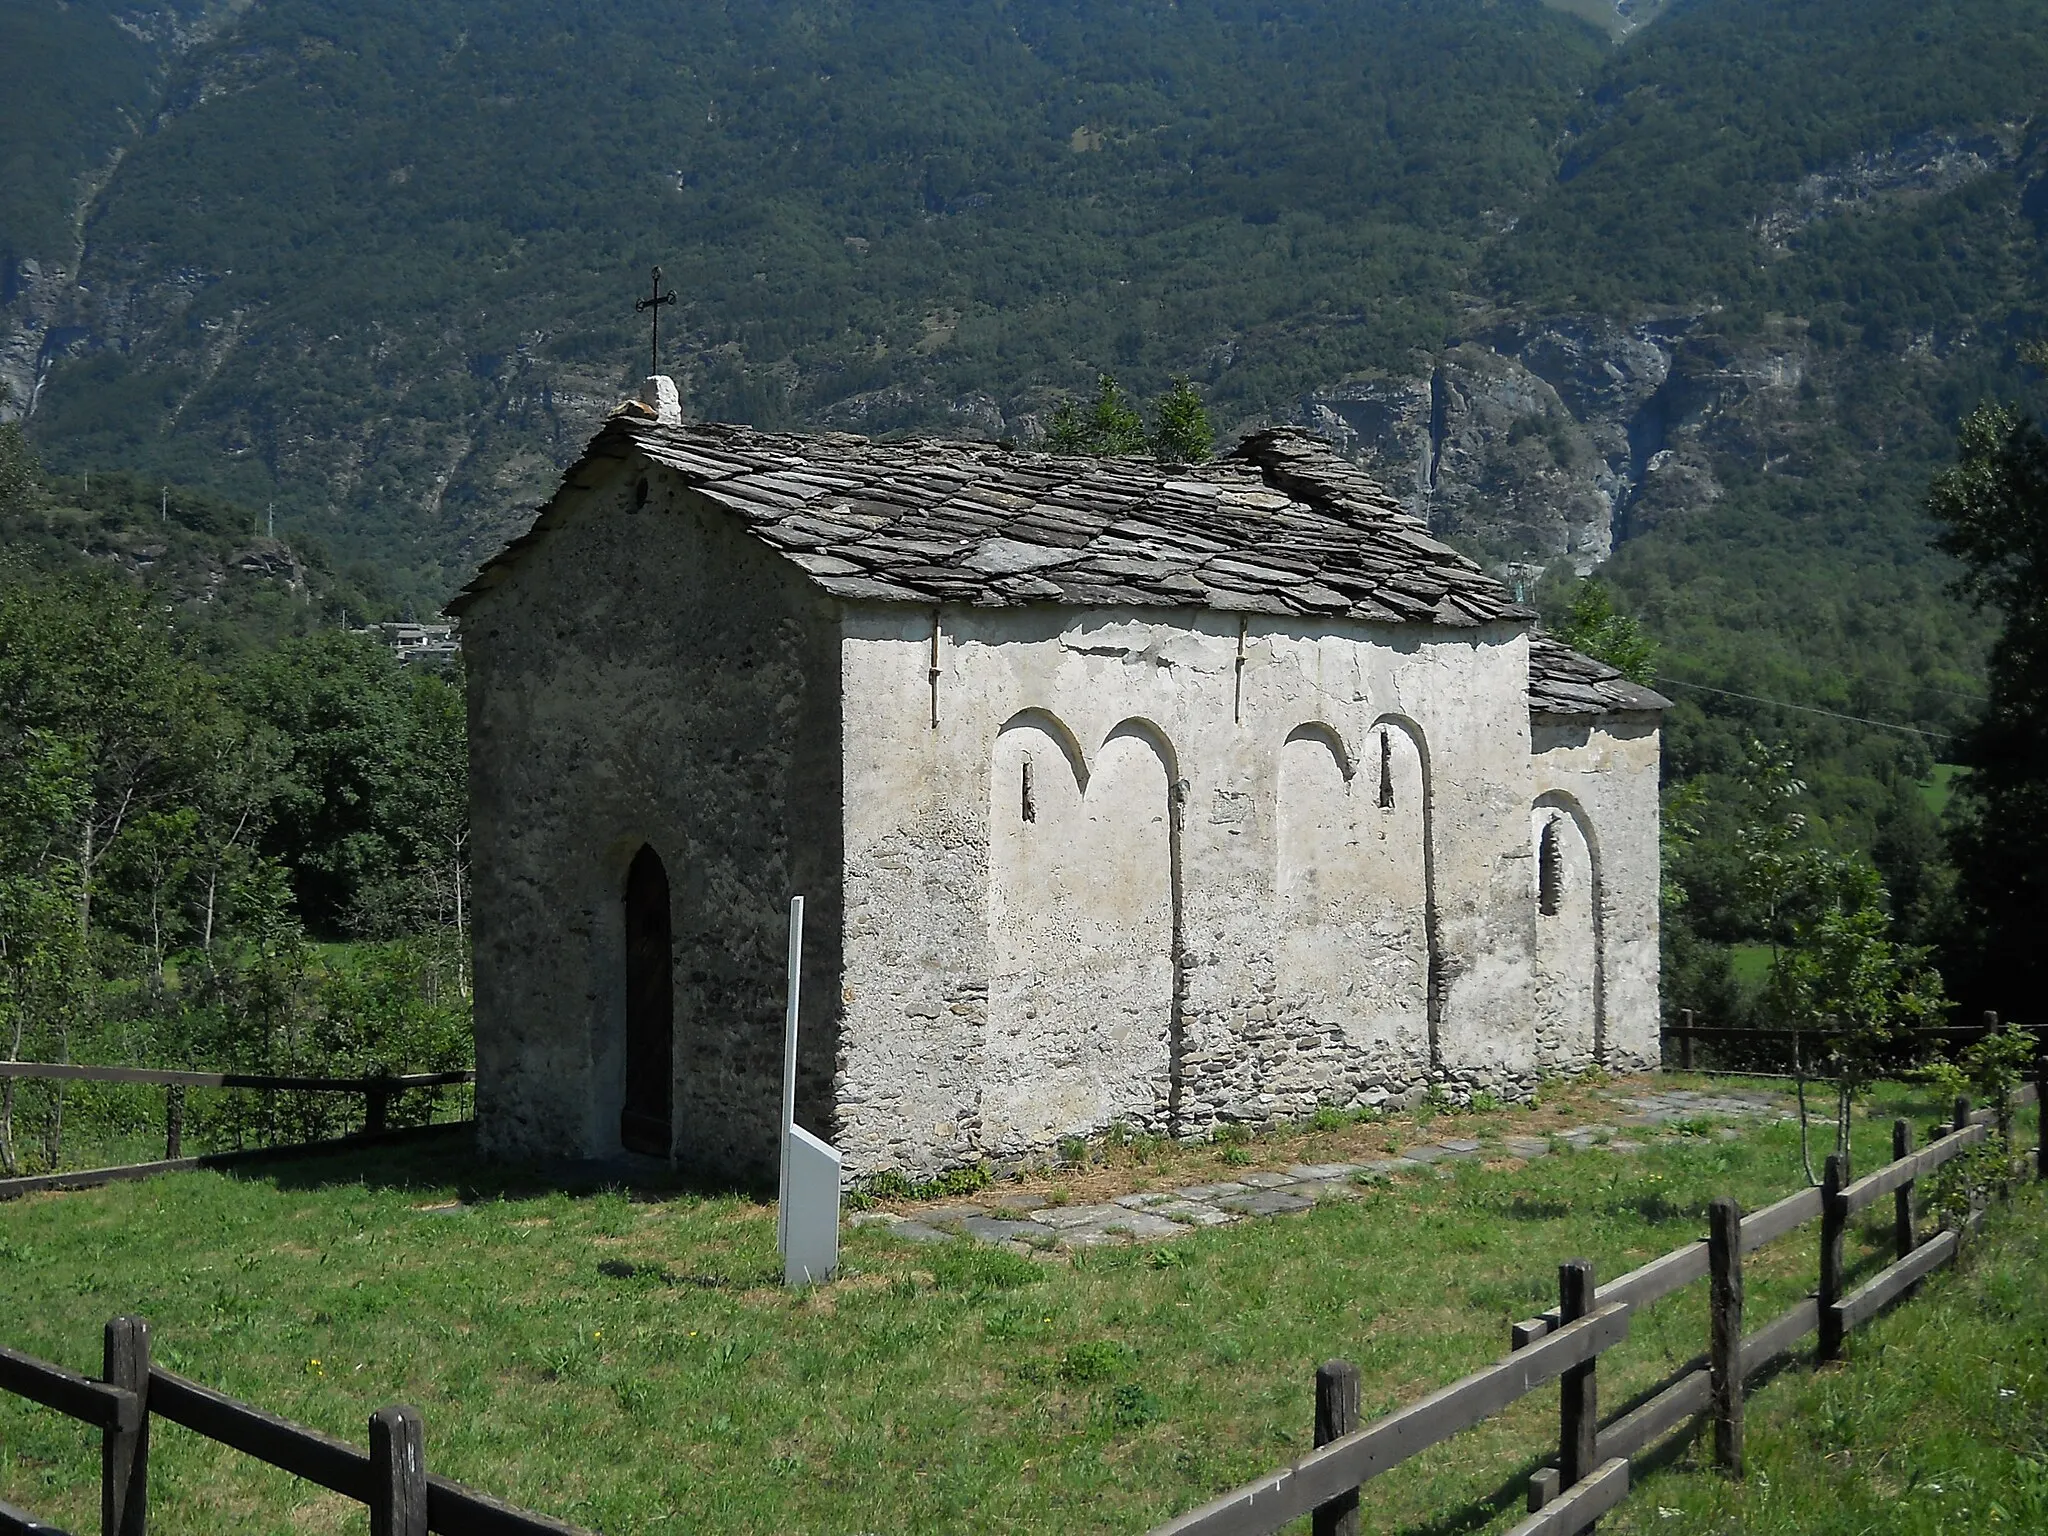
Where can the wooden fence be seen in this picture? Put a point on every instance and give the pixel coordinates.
(391, 1477)
(1563, 1345)
(1591, 1474)
(377, 1094)
(1741, 1049)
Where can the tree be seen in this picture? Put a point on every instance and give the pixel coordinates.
(340, 704)
(1109, 428)
(1112, 428)
(1184, 435)
(21, 476)
(1595, 627)
(1836, 971)
(1844, 975)
(1993, 507)
(43, 790)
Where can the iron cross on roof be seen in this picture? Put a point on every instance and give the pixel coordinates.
(654, 300)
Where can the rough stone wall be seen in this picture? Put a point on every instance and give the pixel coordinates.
(1135, 950)
(650, 674)
(1600, 779)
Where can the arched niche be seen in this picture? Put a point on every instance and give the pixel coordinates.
(646, 1120)
(1351, 886)
(1036, 782)
(1319, 830)
(1082, 932)
(1570, 940)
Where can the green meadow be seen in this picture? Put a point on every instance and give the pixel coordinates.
(627, 1360)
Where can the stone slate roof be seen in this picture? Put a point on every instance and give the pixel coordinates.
(1281, 525)
(1564, 682)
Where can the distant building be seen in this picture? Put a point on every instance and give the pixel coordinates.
(1117, 792)
(432, 643)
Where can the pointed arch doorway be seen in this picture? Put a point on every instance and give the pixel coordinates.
(645, 1122)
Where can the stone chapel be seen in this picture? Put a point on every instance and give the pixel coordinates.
(1117, 792)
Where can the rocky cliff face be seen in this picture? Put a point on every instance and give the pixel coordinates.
(1552, 440)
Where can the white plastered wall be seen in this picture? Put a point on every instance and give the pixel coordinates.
(1203, 919)
(1599, 779)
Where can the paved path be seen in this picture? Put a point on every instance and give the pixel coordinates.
(1032, 1223)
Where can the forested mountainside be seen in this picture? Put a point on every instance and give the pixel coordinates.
(1702, 298)
(377, 260)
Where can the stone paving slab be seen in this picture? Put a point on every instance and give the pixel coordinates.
(1192, 1213)
(1091, 1237)
(1266, 1202)
(1138, 1224)
(991, 1229)
(1320, 1190)
(1064, 1216)
(1028, 1224)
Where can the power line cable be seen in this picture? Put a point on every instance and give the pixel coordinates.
(1808, 709)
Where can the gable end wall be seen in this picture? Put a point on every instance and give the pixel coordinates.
(651, 675)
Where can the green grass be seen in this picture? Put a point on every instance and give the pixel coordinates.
(631, 1364)
(1937, 1422)
(1937, 789)
(1751, 964)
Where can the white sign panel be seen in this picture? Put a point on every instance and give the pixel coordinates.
(807, 1214)
(810, 1222)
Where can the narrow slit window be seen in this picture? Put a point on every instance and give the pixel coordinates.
(1549, 871)
(1030, 804)
(1386, 773)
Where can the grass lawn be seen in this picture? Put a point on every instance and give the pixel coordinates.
(628, 1361)
(1751, 964)
(1939, 787)
(1937, 1422)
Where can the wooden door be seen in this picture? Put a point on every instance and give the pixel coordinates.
(650, 1009)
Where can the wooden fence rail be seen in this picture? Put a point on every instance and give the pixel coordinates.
(1564, 1345)
(1907, 1043)
(390, 1477)
(377, 1091)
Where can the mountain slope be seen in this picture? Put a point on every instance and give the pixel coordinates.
(1707, 303)
(378, 259)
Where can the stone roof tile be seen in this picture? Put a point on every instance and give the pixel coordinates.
(1280, 525)
(1562, 681)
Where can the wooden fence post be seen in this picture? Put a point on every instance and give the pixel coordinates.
(1578, 1395)
(124, 1451)
(1337, 1415)
(1724, 1346)
(2041, 1104)
(1685, 1040)
(1902, 1202)
(1962, 1117)
(376, 1109)
(1834, 1224)
(398, 1472)
(174, 1120)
